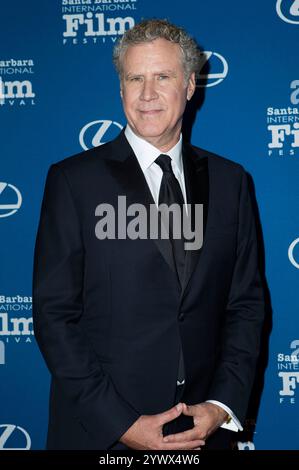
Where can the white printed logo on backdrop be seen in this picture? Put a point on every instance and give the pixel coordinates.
(288, 10)
(2, 353)
(248, 445)
(16, 82)
(288, 373)
(88, 22)
(10, 199)
(283, 125)
(218, 69)
(16, 324)
(12, 434)
(293, 248)
(98, 132)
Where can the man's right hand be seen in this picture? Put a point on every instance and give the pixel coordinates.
(146, 433)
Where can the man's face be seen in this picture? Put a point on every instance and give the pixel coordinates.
(154, 91)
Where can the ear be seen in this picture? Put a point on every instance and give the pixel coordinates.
(191, 86)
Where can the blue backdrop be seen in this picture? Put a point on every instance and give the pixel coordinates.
(59, 95)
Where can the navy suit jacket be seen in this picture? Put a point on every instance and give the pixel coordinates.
(110, 316)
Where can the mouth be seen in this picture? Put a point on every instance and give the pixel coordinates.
(150, 112)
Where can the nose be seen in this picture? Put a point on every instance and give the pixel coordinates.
(148, 91)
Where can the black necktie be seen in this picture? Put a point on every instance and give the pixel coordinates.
(171, 193)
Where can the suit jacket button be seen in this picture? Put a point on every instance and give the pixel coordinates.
(181, 316)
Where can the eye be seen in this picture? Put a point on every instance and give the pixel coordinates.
(163, 77)
(135, 79)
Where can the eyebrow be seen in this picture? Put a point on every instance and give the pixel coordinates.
(161, 72)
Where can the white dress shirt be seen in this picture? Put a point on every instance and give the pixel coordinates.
(146, 155)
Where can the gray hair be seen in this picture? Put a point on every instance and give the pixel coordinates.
(148, 31)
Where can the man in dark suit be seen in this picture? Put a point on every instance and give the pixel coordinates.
(150, 345)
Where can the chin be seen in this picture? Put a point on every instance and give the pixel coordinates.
(149, 131)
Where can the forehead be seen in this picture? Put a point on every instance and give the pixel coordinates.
(157, 53)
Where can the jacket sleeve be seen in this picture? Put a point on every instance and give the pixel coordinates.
(57, 308)
(243, 318)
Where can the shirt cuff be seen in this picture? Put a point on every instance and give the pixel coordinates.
(233, 424)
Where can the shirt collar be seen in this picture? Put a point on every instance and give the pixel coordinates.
(146, 153)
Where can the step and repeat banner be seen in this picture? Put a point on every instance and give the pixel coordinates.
(59, 95)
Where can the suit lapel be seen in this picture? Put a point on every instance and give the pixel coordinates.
(197, 191)
(132, 183)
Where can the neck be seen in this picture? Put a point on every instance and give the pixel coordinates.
(164, 142)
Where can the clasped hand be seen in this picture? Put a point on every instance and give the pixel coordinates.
(146, 433)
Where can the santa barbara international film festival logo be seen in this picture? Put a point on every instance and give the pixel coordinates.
(288, 10)
(283, 126)
(16, 325)
(288, 372)
(16, 82)
(96, 21)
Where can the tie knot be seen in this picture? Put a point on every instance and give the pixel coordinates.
(164, 162)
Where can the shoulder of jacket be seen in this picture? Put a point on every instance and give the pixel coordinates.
(219, 162)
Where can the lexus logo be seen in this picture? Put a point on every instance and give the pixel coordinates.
(98, 132)
(291, 253)
(246, 445)
(11, 193)
(216, 62)
(288, 10)
(10, 433)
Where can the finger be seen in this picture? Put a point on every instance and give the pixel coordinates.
(169, 415)
(187, 445)
(188, 410)
(190, 435)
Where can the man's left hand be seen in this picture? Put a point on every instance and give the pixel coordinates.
(207, 417)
